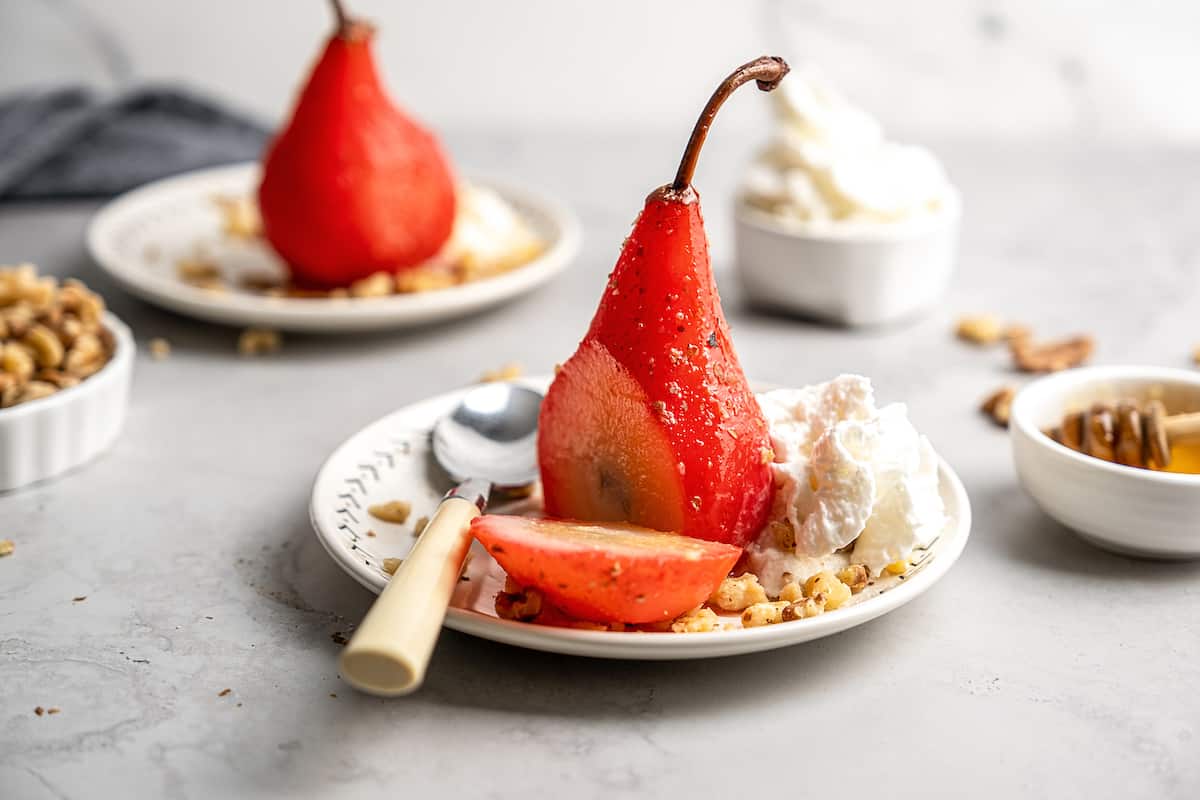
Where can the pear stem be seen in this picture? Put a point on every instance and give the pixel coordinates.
(339, 13)
(767, 71)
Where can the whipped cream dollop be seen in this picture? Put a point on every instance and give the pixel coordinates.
(853, 482)
(828, 160)
(488, 234)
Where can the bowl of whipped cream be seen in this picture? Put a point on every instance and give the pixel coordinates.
(835, 222)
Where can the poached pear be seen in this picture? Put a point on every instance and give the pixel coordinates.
(352, 185)
(652, 421)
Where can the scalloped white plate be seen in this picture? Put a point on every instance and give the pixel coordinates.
(390, 460)
(138, 238)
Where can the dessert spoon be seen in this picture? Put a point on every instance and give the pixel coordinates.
(488, 441)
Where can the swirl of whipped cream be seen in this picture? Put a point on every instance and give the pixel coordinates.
(828, 160)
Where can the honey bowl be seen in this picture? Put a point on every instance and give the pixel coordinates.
(1141, 512)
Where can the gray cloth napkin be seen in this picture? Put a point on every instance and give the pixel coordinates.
(75, 142)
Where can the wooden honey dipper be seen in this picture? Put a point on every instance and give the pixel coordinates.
(1126, 434)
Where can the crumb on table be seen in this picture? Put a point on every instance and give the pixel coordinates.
(160, 349)
(257, 341)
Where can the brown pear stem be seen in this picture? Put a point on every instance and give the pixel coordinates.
(339, 13)
(349, 27)
(767, 71)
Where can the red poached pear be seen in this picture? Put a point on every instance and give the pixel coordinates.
(606, 573)
(352, 185)
(651, 421)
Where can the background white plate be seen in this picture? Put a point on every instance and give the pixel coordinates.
(138, 238)
(390, 460)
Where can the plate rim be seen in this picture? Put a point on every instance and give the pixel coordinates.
(306, 314)
(652, 645)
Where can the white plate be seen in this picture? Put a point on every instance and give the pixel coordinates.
(390, 460)
(138, 238)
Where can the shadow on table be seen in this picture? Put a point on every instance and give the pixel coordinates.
(1009, 523)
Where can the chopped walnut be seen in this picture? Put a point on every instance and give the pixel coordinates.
(6, 547)
(698, 620)
(980, 329)
(791, 592)
(390, 565)
(523, 605)
(827, 584)
(51, 336)
(256, 341)
(1051, 356)
(736, 594)
(240, 218)
(998, 405)
(160, 349)
(508, 372)
(200, 272)
(396, 511)
(856, 577)
(419, 525)
(765, 613)
(804, 608)
(380, 284)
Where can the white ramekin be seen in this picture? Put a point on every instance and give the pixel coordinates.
(1132, 511)
(44, 438)
(847, 273)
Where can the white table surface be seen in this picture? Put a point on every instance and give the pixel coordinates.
(1039, 667)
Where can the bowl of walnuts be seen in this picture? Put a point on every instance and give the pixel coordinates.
(65, 370)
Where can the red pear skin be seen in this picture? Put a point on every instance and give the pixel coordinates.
(352, 185)
(652, 420)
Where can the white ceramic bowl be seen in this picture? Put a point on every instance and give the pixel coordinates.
(44, 438)
(847, 273)
(1132, 511)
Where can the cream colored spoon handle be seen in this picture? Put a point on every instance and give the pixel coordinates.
(1182, 426)
(388, 653)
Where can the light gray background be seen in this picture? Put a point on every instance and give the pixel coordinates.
(1039, 667)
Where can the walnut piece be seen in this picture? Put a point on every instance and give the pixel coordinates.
(1051, 356)
(239, 216)
(998, 405)
(982, 329)
(698, 620)
(523, 605)
(855, 576)
(396, 511)
(390, 565)
(160, 349)
(765, 613)
(827, 585)
(6, 547)
(256, 341)
(736, 594)
(803, 608)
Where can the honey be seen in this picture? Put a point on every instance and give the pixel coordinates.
(1185, 458)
